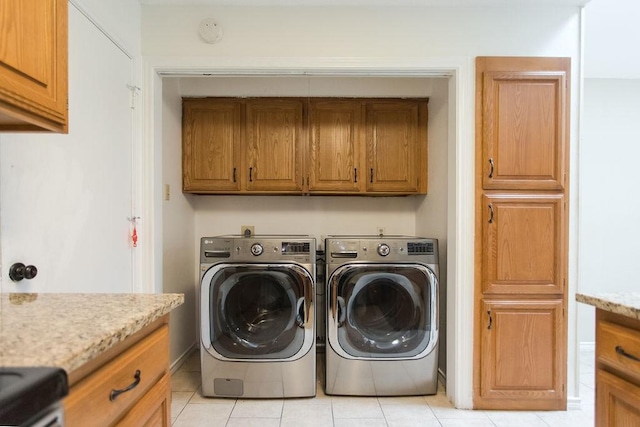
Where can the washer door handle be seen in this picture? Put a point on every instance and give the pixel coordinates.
(342, 311)
(300, 312)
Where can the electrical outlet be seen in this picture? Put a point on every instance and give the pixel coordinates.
(246, 230)
(380, 230)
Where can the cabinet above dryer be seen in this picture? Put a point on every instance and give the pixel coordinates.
(339, 146)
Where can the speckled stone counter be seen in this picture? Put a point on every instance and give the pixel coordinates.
(623, 303)
(68, 330)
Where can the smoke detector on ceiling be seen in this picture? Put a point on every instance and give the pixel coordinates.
(210, 31)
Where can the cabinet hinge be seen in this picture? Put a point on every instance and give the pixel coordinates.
(134, 92)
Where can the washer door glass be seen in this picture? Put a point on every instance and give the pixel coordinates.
(384, 311)
(258, 311)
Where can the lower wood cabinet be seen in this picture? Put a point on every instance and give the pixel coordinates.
(617, 370)
(522, 347)
(128, 385)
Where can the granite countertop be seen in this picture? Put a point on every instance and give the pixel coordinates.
(68, 330)
(624, 303)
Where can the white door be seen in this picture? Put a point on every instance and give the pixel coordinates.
(65, 200)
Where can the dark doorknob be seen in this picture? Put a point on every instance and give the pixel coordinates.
(19, 271)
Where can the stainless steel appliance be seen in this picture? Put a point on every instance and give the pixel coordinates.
(382, 319)
(257, 311)
(31, 396)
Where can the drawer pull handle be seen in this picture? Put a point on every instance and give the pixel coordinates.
(116, 393)
(621, 351)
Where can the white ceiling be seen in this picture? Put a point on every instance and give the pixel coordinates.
(366, 2)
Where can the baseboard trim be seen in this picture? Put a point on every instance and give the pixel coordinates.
(587, 346)
(182, 359)
(574, 403)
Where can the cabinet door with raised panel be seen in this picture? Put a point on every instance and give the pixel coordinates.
(275, 144)
(335, 143)
(523, 129)
(211, 145)
(617, 401)
(396, 138)
(522, 346)
(33, 65)
(523, 244)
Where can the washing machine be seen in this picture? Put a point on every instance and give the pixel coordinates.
(382, 316)
(257, 308)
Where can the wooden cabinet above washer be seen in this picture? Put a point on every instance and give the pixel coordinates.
(339, 146)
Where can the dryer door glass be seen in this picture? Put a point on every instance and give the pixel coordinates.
(384, 310)
(258, 311)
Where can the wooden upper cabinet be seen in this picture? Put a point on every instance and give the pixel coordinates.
(524, 128)
(305, 146)
(275, 139)
(335, 146)
(396, 138)
(523, 347)
(33, 65)
(523, 244)
(211, 145)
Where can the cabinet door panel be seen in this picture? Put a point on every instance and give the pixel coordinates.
(335, 133)
(522, 347)
(275, 140)
(523, 244)
(523, 130)
(617, 401)
(396, 137)
(211, 145)
(33, 64)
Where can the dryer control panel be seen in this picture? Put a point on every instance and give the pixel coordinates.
(381, 249)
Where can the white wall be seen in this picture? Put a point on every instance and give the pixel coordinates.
(119, 18)
(609, 202)
(361, 31)
(370, 40)
(609, 211)
(611, 37)
(58, 211)
(178, 257)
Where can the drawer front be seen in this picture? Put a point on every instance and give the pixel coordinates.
(619, 347)
(154, 409)
(89, 402)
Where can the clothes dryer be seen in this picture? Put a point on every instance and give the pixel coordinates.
(382, 315)
(257, 308)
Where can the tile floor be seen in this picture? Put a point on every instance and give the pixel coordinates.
(190, 409)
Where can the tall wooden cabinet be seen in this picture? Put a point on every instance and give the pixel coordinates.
(522, 142)
(33, 65)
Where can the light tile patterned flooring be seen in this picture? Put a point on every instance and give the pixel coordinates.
(190, 409)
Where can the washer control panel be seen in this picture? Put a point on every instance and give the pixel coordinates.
(219, 249)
